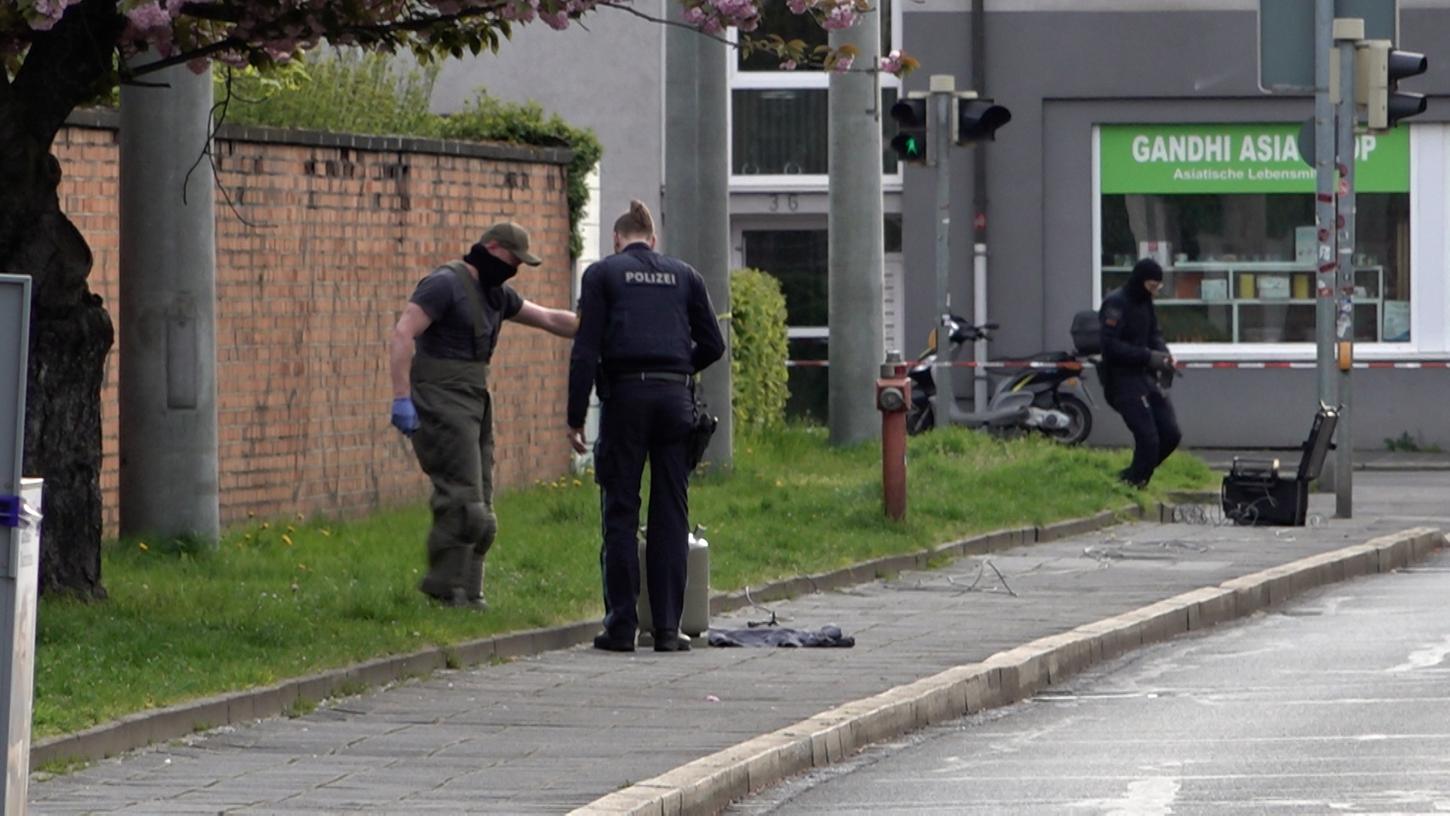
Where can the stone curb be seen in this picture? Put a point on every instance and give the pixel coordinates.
(147, 727)
(709, 784)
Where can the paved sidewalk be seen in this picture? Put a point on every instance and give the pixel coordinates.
(555, 732)
(1364, 460)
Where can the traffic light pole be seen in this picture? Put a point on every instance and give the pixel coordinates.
(1346, 34)
(943, 87)
(1324, 155)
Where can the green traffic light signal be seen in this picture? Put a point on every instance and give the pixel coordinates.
(910, 139)
(909, 147)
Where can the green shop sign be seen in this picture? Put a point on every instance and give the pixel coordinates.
(1263, 158)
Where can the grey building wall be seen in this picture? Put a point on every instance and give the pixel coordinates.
(608, 78)
(1061, 72)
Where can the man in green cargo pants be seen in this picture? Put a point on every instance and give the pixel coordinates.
(439, 357)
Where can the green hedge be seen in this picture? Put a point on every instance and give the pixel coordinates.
(758, 349)
(374, 94)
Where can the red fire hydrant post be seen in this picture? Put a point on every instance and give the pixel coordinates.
(893, 396)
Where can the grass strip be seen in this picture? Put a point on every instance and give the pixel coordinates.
(280, 599)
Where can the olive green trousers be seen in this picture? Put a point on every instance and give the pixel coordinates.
(454, 445)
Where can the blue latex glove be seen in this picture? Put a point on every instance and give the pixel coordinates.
(405, 416)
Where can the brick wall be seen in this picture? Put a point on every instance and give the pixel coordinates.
(322, 242)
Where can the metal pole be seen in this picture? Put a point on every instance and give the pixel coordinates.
(979, 155)
(979, 316)
(1324, 210)
(1346, 33)
(942, 88)
(856, 238)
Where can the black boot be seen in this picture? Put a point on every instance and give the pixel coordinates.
(669, 640)
(473, 583)
(610, 643)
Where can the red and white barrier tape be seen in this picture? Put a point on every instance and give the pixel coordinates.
(1195, 364)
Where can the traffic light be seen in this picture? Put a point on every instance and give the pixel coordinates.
(911, 128)
(1379, 68)
(978, 119)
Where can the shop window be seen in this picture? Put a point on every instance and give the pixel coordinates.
(1239, 257)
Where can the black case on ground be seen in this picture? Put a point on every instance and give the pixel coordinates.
(1254, 493)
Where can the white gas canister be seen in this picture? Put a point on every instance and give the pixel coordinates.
(695, 619)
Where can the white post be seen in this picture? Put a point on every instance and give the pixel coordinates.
(979, 316)
(19, 544)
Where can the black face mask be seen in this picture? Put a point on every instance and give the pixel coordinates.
(491, 271)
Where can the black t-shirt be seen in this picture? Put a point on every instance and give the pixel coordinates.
(442, 297)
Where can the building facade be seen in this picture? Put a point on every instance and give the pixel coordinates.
(1138, 128)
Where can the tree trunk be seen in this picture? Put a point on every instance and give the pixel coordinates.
(70, 332)
(70, 335)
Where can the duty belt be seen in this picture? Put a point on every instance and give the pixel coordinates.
(668, 376)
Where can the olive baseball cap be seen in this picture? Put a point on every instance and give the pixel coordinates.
(512, 237)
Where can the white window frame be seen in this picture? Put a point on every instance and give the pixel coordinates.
(1429, 291)
(800, 80)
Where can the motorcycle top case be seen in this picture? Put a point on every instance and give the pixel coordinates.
(1086, 333)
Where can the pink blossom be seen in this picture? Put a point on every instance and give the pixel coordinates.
(556, 20)
(843, 64)
(149, 17)
(842, 16)
(798, 6)
(694, 15)
(788, 65)
(891, 63)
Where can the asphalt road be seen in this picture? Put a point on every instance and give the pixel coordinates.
(1336, 703)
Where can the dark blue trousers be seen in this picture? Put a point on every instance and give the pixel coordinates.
(643, 420)
(1150, 418)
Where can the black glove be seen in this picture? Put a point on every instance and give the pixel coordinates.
(1160, 361)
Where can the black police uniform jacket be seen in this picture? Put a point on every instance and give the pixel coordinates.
(640, 311)
(1130, 331)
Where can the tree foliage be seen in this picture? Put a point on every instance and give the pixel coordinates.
(261, 33)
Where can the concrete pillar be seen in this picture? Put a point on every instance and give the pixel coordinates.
(856, 241)
(168, 431)
(696, 217)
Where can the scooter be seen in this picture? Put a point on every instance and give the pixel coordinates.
(1050, 399)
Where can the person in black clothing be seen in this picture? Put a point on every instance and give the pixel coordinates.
(1134, 357)
(646, 327)
(439, 357)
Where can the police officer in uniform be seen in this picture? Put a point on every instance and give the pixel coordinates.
(646, 326)
(439, 357)
(1135, 359)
